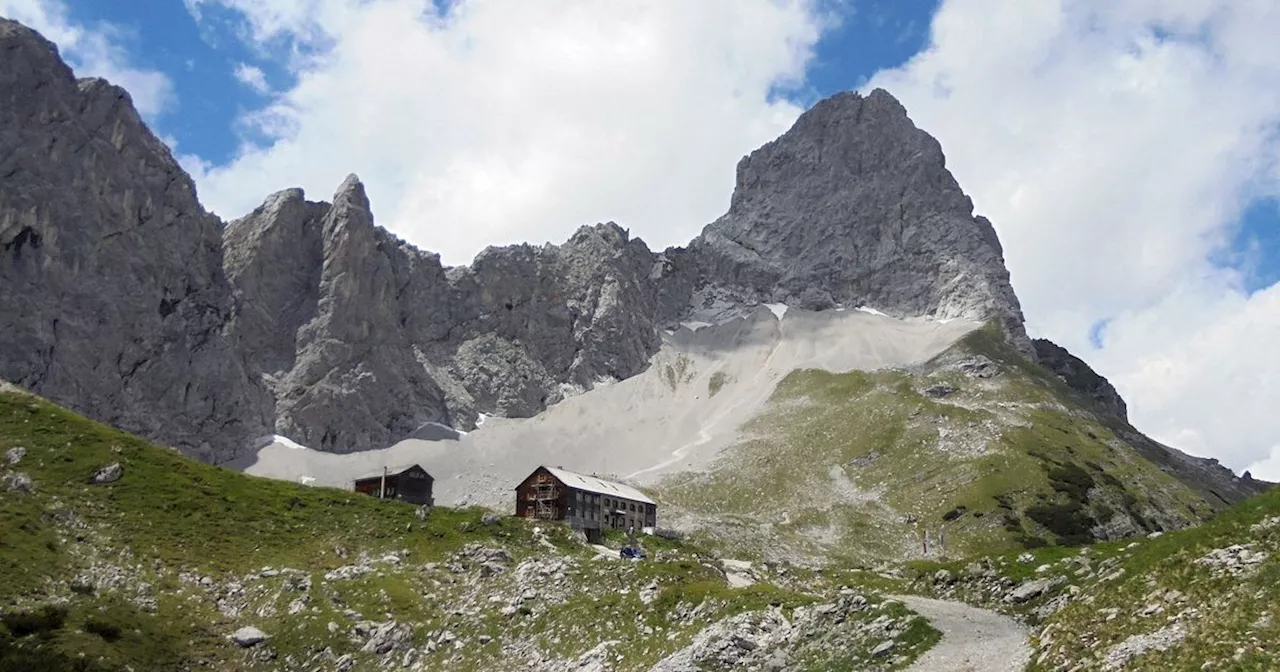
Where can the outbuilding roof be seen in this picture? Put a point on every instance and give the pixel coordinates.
(392, 470)
(598, 486)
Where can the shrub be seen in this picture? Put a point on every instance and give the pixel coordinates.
(45, 619)
(1069, 521)
(1029, 542)
(1071, 480)
(108, 631)
(718, 380)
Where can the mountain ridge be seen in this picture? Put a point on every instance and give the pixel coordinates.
(827, 255)
(308, 319)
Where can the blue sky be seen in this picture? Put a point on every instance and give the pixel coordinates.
(199, 60)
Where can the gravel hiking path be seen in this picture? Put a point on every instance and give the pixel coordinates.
(973, 640)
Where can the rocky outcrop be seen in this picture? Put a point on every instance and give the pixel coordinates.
(274, 257)
(113, 299)
(577, 314)
(1080, 377)
(366, 339)
(356, 382)
(854, 206)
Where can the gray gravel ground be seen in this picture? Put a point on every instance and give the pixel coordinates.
(973, 640)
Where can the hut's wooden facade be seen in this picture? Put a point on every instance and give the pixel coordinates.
(585, 502)
(410, 483)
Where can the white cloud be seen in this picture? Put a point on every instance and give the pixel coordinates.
(510, 121)
(94, 51)
(1114, 145)
(1268, 469)
(252, 77)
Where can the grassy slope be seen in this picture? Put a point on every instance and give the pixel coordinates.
(101, 576)
(173, 512)
(840, 462)
(1121, 589)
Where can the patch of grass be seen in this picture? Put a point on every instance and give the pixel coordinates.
(717, 381)
(837, 462)
(1232, 613)
(678, 371)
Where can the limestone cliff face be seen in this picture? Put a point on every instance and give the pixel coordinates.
(854, 205)
(365, 339)
(113, 299)
(345, 372)
(274, 257)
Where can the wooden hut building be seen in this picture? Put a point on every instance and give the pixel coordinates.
(410, 483)
(587, 503)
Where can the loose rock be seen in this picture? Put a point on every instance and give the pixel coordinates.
(248, 636)
(108, 474)
(17, 481)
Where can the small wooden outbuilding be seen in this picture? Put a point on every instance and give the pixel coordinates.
(410, 483)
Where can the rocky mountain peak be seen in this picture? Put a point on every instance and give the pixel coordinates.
(351, 193)
(609, 232)
(26, 52)
(854, 205)
(350, 210)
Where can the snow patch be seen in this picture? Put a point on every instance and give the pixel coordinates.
(694, 326)
(287, 442)
(480, 418)
(778, 309)
(306, 480)
(869, 310)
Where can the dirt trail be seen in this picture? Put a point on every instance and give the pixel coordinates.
(973, 639)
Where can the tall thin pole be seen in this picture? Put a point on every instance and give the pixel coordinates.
(383, 493)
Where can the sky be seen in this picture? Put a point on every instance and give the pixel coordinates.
(1128, 154)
